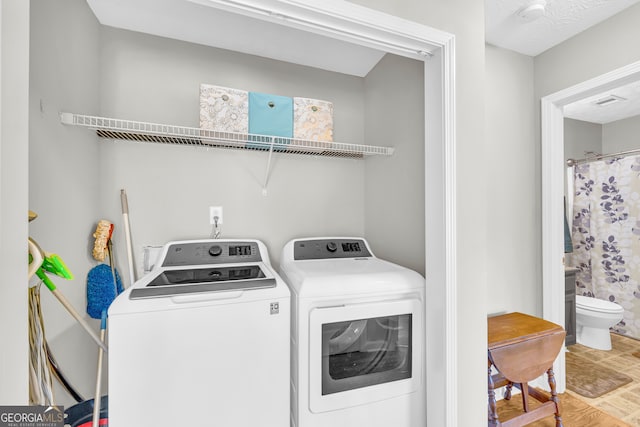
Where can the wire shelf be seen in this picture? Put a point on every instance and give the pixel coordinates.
(170, 134)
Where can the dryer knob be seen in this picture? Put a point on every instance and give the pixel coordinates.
(332, 247)
(215, 250)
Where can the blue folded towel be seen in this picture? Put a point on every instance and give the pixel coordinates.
(270, 115)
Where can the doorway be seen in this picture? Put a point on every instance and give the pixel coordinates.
(552, 138)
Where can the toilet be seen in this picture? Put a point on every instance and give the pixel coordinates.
(594, 317)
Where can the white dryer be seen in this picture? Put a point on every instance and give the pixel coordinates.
(357, 333)
(202, 340)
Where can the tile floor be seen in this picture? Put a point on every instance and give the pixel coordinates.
(624, 402)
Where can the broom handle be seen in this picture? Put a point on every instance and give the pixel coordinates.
(79, 318)
(113, 268)
(63, 300)
(127, 233)
(96, 400)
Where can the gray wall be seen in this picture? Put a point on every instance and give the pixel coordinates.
(613, 137)
(581, 137)
(621, 135)
(394, 190)
(574, 61)
(14, 134)
(511, 224)
(170, 188)
(64, 173)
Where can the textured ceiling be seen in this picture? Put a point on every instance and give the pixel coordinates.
(562, 20)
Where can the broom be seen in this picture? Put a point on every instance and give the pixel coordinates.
(103, 286)
(52, 263)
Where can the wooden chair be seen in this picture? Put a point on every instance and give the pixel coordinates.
(522, 348)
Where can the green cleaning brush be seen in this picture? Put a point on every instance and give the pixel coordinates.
(52, 263)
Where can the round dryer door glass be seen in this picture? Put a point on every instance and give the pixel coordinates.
(365, 352)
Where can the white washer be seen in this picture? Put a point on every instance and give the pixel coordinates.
(202, 340)
(357, 334)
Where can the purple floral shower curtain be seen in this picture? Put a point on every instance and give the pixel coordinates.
(606, 235)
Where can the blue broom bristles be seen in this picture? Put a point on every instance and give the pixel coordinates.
(100, 291)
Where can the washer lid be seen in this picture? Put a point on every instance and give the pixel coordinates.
(596, 304)
(205, 279)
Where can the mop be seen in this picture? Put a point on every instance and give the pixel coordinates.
(40, 384)
(103, 281)
(40, 378)
(103, 286)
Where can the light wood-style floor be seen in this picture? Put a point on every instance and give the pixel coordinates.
(575, 413)
(624, 402)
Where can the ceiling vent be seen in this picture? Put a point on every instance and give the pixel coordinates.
(608, 100)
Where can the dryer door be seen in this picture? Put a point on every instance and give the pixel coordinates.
(363, 353)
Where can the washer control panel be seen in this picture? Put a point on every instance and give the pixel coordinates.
(211, 252)
(330, 248)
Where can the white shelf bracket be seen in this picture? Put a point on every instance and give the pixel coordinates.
(66, 118)
(266, 173)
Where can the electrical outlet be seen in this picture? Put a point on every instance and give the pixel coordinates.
(215, 211)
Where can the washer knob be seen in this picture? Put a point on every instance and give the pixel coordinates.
(215, 250)
(332, 247)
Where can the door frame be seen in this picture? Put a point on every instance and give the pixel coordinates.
(14, 198)
(552, 164)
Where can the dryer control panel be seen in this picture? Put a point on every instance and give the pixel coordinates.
(330, 248)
